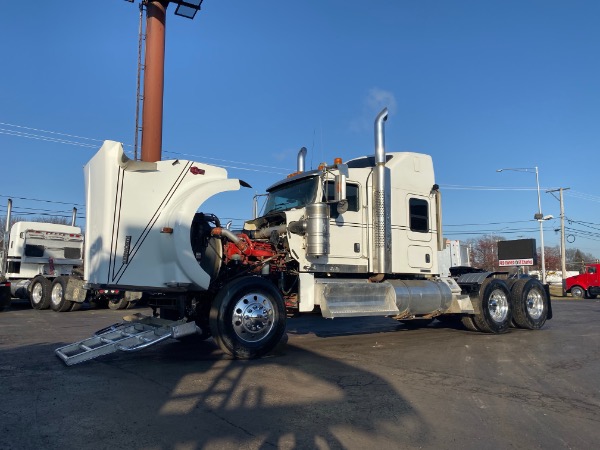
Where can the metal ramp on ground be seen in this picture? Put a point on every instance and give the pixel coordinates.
(129, 336)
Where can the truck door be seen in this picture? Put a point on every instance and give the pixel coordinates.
(592, 276)
(420, 251)
(347, 230)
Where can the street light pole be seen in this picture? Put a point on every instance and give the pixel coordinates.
(539, 216)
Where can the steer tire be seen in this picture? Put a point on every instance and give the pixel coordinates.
(247, 317)
(493, 307)
(39, 292)
(578, 292)
(58, 302)
(530, 304)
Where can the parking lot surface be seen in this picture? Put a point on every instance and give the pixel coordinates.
(342, 383)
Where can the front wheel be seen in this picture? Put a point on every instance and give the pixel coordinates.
(247, 317)
(493, 307)
(578, 292)
(530, 304)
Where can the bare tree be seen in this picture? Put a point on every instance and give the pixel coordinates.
(484, 252)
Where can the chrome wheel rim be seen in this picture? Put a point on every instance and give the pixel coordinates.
(57, 294)
(36, 293)
(498, 306)
(252, 317)
(535, 304)
(577, 292)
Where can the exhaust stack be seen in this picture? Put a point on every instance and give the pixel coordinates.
(301, 158)
(381, 215)
(6, 239)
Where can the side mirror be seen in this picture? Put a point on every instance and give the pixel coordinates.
(340, 188)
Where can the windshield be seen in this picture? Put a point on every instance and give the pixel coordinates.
(292, 195)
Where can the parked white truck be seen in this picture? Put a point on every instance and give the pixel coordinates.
(41, 261)
(359, 238)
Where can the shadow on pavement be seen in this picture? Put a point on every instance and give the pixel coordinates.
(184, 395)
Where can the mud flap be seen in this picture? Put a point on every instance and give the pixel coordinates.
(75, 291)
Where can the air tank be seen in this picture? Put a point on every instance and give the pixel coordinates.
(317, 229)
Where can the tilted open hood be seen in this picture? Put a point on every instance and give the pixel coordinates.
(138, 219)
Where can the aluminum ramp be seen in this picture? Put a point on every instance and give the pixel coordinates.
(130, 336)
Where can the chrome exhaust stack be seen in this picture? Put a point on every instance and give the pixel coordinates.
(301, 159)
(381, 214)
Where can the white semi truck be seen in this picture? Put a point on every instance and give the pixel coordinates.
(355, 238)
(40, 262)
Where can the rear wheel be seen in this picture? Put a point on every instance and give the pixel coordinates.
(58, 302)
(75, 306)
(469, 323)
(247, 318)
(530, 304)
(578, 292)
(39, 292)
(493, 308)
(117, 303)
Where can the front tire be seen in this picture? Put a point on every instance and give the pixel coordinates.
(493, 307)
(39, 292)
(58, 302)
(578, 292)
(247, 318)
(530, 304)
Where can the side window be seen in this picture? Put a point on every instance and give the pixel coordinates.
(591, 269)
(419, 215)
(351, 196)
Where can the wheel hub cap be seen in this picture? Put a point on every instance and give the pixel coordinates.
(36, 293)
(498, 306)
(57, 294)
(252, 317)
(535, 304)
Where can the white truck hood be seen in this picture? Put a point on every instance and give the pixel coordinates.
(131, 207)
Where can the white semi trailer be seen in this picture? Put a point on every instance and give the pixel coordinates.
(355, 238)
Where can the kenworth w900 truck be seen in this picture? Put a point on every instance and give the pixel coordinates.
(354, 238)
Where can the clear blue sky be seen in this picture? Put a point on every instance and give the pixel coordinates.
(479, 85)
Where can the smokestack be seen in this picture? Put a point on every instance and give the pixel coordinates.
(381, 221)
(6, 239)
(301, 158)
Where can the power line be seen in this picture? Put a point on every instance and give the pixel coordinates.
(488, 223)
(42, 200)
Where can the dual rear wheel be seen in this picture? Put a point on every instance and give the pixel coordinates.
(524, 304)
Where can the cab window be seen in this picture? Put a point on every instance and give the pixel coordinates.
(419, 215)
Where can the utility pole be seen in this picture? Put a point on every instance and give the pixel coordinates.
(563, 248)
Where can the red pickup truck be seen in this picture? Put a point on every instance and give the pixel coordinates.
(586, 284)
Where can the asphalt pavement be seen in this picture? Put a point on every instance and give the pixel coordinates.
(343, 383)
